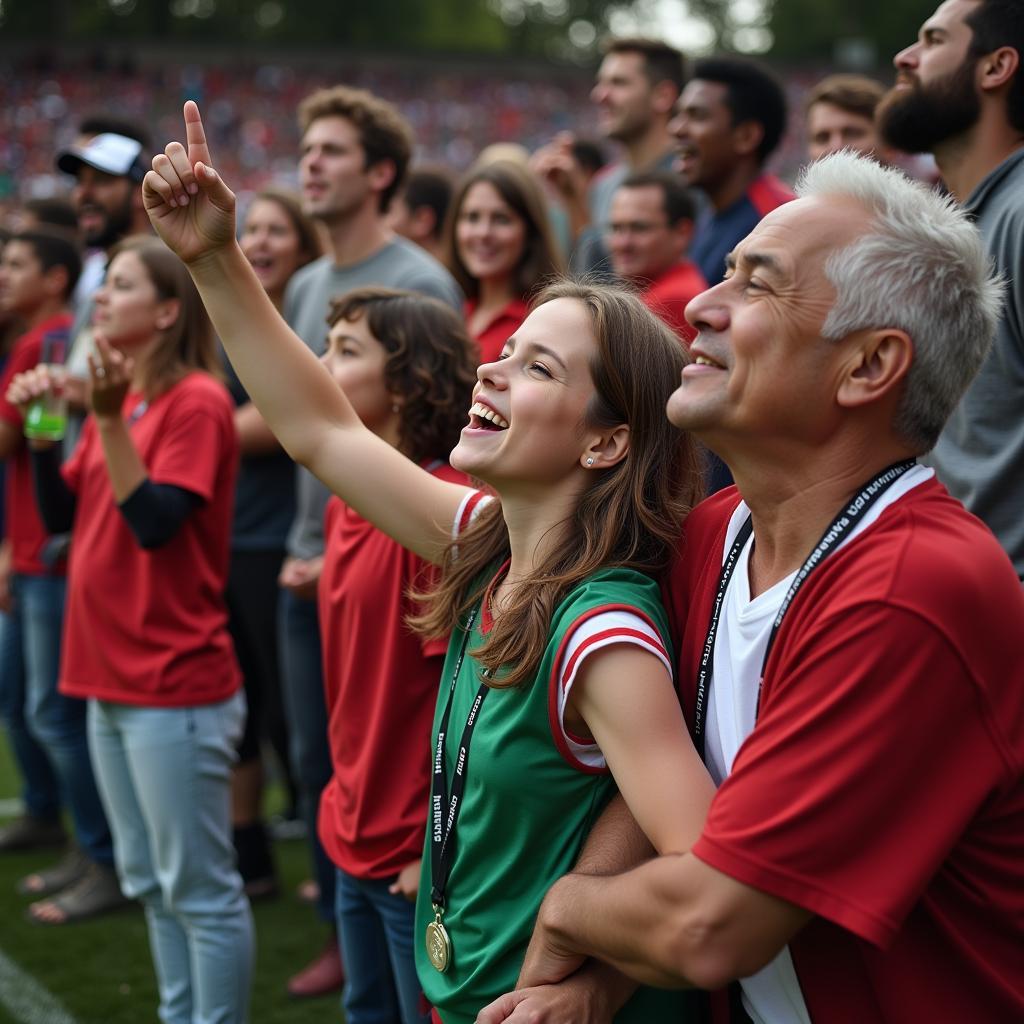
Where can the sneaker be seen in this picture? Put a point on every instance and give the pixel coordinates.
(31, 833)
(321, 977)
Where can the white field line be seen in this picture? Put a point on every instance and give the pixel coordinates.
(25, 999)
(10, 808)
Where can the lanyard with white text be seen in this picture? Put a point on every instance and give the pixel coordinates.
(442, 827)
(837, 529)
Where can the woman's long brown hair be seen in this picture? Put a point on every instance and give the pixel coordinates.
(630, 517)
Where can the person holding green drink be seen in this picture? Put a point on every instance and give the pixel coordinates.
(47, 729)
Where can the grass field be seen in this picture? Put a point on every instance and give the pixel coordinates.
(99, 972)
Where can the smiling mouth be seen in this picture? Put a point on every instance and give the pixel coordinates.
(704, 361)
(483, 418)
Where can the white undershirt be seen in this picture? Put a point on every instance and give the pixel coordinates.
(772, 995)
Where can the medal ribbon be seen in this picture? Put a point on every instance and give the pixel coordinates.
(443, 824)
(845, 521)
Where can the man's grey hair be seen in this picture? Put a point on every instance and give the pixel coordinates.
(921, 268)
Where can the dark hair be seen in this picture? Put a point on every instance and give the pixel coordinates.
(102, 124)
(431, 363)
(54, 247)
(661, 61)
(675, 196)
(519, 188)
(383, 133)
(58, 213)
(431, 187)
(310, 246)
(752, 94)
(188, 344)
(856, 94)
(589, 154)
(630, 516)
(996, 23)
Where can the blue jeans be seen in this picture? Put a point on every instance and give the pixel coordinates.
(165, 776)
(302, 683)
(376, 930)
(40, 792)
(56, 722)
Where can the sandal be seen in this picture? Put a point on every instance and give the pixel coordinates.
(68, 870)
(96, 892)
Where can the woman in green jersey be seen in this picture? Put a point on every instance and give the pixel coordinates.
(558, 672)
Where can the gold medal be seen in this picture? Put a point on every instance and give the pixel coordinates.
(439, 945)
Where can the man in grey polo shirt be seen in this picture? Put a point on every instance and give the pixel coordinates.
(959, 95)
(354, 154)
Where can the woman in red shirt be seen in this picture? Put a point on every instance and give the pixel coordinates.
(148, 497)
(500, 247)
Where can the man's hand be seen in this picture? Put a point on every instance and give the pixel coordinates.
(557, 166)
(190, 207)
(407, 883)
(548, 961)
(6, 598)
(593, 995)
(300, 576)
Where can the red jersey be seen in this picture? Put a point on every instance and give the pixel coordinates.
(25, 528)
(669, 295)
(504, 324)
(882, 787)
(380, 681)
(150, 627)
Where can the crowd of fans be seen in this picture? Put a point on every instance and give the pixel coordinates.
(244, 512)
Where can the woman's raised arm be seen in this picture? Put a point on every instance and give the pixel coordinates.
(193, 211)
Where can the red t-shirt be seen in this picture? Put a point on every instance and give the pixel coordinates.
(150, 627)
(882, 786)
(25, 529)
(493, 337)
(669, 295)
(380, 680)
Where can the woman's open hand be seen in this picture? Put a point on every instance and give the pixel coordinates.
(110, 374)
(190, 207)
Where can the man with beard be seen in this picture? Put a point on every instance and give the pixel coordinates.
(637, 86)
(959, 95)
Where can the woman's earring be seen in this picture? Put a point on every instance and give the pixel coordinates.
(395, 407)
(590, 460)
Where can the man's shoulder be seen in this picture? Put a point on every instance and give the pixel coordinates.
(931, 557)
(403, 264)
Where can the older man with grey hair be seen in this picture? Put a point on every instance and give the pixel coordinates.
(850, 658)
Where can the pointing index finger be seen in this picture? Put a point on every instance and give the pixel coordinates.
(198, 150)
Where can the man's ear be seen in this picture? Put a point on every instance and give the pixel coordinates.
(664, 96)
(747, 136)
(55, 281)
(998, 68)
(606, 449)
(880, 362)
(381, 174)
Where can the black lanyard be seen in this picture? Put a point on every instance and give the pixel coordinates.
(837, 529)
(443, 826)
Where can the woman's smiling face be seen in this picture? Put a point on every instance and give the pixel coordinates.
(528, 419)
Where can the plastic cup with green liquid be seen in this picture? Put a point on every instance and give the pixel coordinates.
(46, 418)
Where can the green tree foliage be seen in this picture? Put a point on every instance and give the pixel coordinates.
(816, 30)
(514, 26)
